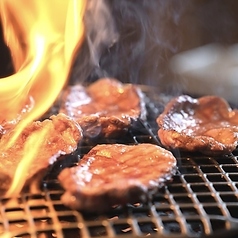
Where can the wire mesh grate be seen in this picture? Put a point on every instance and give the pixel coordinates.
(201, 200)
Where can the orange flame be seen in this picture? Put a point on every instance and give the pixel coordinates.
(43, 36)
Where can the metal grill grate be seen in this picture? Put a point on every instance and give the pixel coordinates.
(201, 200)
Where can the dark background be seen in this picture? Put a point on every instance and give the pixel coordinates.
(151, 32)
(6, 67)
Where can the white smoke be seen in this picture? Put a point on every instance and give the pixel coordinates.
(129, 40)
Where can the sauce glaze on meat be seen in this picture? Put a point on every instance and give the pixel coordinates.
(104, 108)
(116, 174)
(207, 124)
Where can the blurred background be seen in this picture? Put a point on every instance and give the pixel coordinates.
(150, 33)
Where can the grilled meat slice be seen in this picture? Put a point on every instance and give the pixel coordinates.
(116, 174)
(207, 124)
(48, 139)
(104, 108)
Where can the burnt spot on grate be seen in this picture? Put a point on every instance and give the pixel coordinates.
(200, 200)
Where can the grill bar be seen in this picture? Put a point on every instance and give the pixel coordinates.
(201, 201)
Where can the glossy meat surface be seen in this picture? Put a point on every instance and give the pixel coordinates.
(116, 174)
(46, 140)
(206, 124)
(104, 108)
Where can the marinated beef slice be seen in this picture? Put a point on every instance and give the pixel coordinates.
(116, 174)
(61, 136)
(104, 108)
(207, 124)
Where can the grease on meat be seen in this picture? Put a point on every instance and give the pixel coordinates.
(62, 135)
(207, 124)
(104, 108)
(116, 174)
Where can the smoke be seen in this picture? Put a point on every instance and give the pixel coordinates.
(134, 40)
(101, 34)
(101, 30)
(129, 40)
